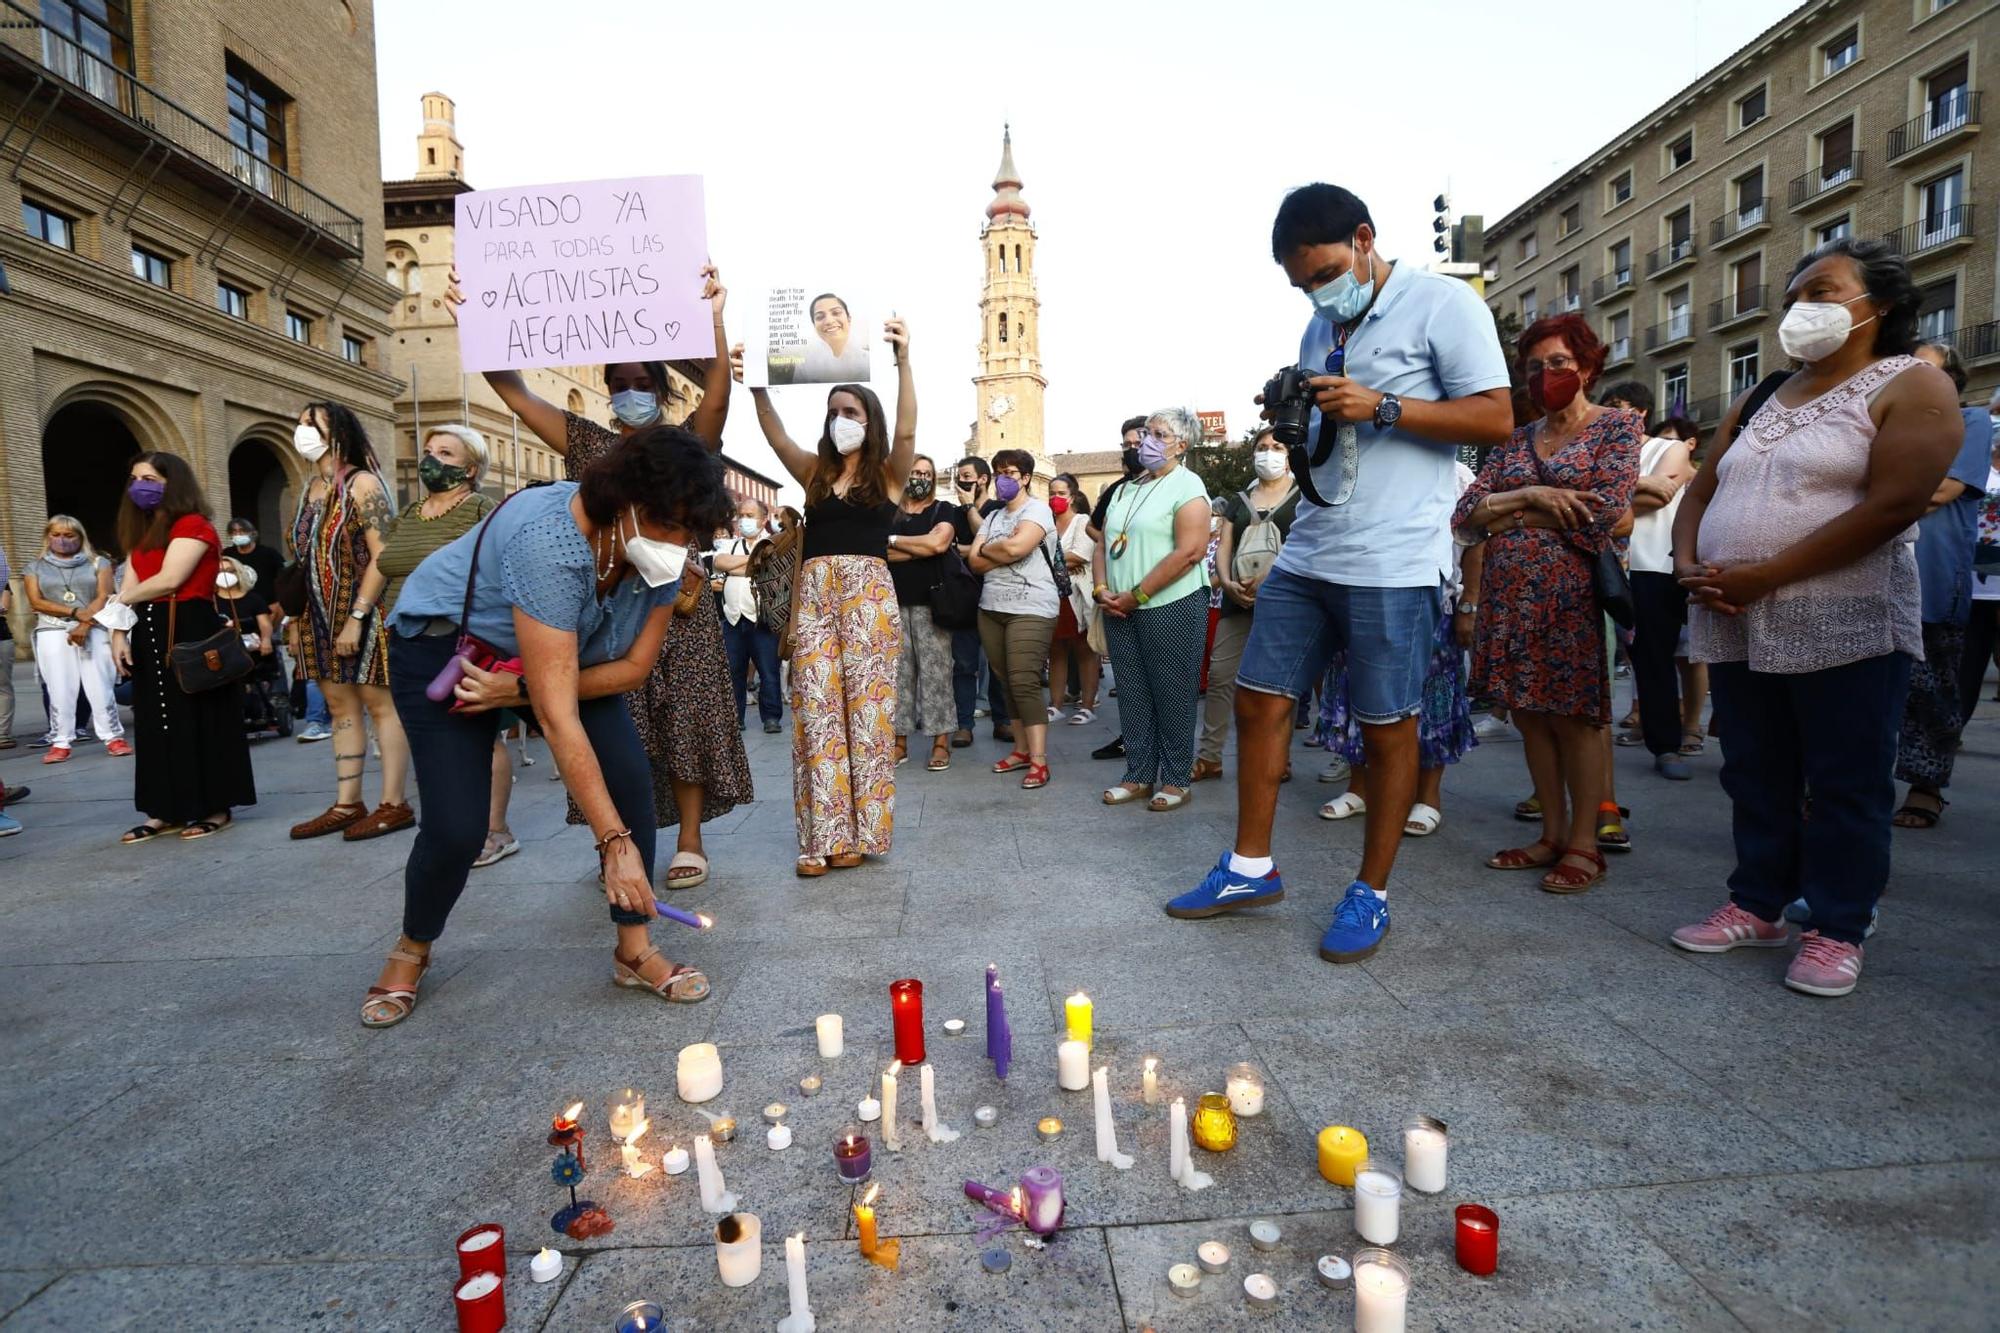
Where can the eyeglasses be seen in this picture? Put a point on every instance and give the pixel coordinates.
(1013, 472)
(1555, 363)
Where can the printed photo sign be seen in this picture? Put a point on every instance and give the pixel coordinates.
(815, 335)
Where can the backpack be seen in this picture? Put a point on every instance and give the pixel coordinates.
(1257, 549)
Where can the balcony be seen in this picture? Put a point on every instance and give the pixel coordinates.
(47, 65)
(1567, 303)
(1946, 229)
(1617, 352)
(1950, 119)
(1674, 254)
(1980, 342)
(1745, 303)
(1749, 217)
(1618, 282)
(1827, 181)
(1672, 332)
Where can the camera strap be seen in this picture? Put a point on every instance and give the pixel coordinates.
(1303, 464)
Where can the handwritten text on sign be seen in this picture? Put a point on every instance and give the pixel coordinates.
(589, 272)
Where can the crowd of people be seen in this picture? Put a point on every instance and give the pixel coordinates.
(1835, 552)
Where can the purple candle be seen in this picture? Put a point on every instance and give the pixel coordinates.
(1043, 1213)
(852, 1155)
(1007, 1203)
(999, 1036)
(695, 920)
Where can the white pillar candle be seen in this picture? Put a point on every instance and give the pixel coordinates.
(714, 1197)
(1181, 1157)
(1149, 1081)
(1425, 1148)
(831, 1040)
(890, 1138)
(800, 1320)
(1378, 1202)
(1107, 1132)
(740, 1257)
(1381, 1293)
(699, 1072)
(1246, 1091)
(1073, 1066)
(936, 1131)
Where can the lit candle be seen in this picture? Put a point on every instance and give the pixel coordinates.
(675, 1160)
(1214, 1123)
(800, 1320)
(1073, 1066)
(934, 1129)
(1341, 1150)
(1246, 1090)
(775, 1113)
(739, 1247)
(864, 1220)
(1107, 1132)
(482, 1307)
(1378, 1202)
(483, 1249)
(1042, 1201)
(1181, 1157)
(851, 1155)
(636, 1166)
(1076, 1009)
(628, 1108)
(1048, 1129)
(1425, 1146)
(890, 1138)
(1381, 1292)
(1007, 1203)
(1478, 1239)
(778, 1137)
(640, 1317)
(1149, 1081)
(699, 1072)
(714, 1197)
(831, 1040)
(999, 1036)
(906, 1009)
(546, 1266)
(809, 1086)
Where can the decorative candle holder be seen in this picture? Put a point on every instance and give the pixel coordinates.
(628, 1108)
(906, 1012)
(581, 1219)
(1214, 1126)
(852, 1155)
(1478, 1239)
(640, 1317)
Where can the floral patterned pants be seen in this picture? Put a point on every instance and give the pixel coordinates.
(847, 639)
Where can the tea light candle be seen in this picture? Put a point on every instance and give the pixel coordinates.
(1184, 1279)
(739, 1248)
(675, 1160)
(1265, 1235)
(869, 1109)
(985, 1117)
(482, 1307)
(1341, 1149)
(1077, 1012)
(1333, 1271)
(1149, 1081)
(778, 1137)
(698, 1073)
(1260, 1291)
(852, 1156)
(546, 1266)
(1212, 1255)
(906, 1010)
(1381, 1292)
(640, 1317)
(1378, 1202)
(1073, 1066)
(1245, 1089)
(1425, 1146)
(775, 1113)
(482, 1249)
(996, 1260)
(831, 1039)
(722, 1129)
(628, 1108)
(1048, 1128)
(1478, 1239)
(954, 1027)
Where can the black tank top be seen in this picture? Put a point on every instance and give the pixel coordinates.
(835, 527)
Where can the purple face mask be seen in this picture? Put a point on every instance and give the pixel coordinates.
(1006, 488)
(147, 493)
(65, 545)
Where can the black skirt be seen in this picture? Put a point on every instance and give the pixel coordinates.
(192, 758)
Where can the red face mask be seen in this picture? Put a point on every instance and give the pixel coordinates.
(1059, 504)
(1552, 391)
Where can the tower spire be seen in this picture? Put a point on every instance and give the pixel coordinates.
(1007, 182)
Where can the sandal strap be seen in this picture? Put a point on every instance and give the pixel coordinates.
(633, 965)
(401, 955)
(1590, 854)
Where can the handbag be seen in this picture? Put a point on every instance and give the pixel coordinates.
(955, 594)
(470, 648)
(773, 569)
(210, 663)
(1058, 570)
(1608, 579)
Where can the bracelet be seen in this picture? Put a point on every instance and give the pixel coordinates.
(603, 844)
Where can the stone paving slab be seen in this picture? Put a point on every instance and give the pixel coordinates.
(18, 1286)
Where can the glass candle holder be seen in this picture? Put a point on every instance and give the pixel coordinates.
(1381, 1291)
(852, 1155)
(1426, 1147)
(1246, 1090)
(640, 1317)
(628, 1108)
(1214, 1125)
(1378, 1201)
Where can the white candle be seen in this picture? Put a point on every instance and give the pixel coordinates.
(1425, 1148)
(890, 1139)
(1181, 1158)
(1246, 1091)
(1381, 1294)
(800, 1320)
(675, 1160)
(936, 1131)
(1107, 1132)
(831, 1040)
(1378, 1202)
(546, 1266)
(479, 1284)
(1260, 1290)
(627, 1110)
(635, 1165)
(714, 1197)
(1073, 1066)
(739, 1245)
(474, 1243)
(1149, 1081)
(699, 1072)
(778, 1138)
(869, 1109)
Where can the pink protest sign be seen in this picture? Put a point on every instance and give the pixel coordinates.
(583, 273)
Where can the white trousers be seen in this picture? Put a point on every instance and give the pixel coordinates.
(64, 667)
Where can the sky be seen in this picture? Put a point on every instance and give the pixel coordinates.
(1155, 142)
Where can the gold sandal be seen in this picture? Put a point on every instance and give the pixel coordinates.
(683, 985)
(401, 1000)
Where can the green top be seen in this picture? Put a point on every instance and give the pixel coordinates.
(412, 537)
(1142, 513)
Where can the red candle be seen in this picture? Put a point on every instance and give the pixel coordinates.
(481, 1306)
(906, 1006)
(1478, 1239)
(482, 1249)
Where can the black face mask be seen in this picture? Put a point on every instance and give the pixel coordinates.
(1131, 457)
(919, 487)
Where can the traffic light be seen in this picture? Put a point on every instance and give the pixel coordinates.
(1441, 224)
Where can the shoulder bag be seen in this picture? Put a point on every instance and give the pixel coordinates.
(773, 569)
(210, 663)
(471, 649)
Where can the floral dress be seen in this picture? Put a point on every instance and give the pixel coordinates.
(330, 538)
(1539, 641)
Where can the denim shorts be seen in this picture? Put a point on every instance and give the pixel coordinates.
(1301, 623)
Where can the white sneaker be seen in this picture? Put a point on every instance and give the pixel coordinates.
(1336, 771)
(1490, 728)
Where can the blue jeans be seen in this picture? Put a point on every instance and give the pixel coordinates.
(316, 709)
(453, 754)
(747, 641)
(1829, 735)
(967, 661)
(1385, 632)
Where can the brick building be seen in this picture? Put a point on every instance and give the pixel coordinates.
(190, 238)
(1861, 117)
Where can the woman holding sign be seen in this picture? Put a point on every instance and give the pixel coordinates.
(682, 711)
(847, 631)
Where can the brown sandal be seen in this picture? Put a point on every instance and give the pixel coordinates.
(1523, 858)
(334, 819)
(846, 860)
(401, 1000)
(940, 754)
(682, 985)
(1573, 879)
(385, 818)
(811, 867)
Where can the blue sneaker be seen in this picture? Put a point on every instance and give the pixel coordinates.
(1224, 891)
(9, 826)
(1359, 923)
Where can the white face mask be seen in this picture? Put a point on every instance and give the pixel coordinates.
(847, 434)
(656, 561)
(748, 526)
(1813, 330)
(225, 580)
(1270, 464)
(309, 442)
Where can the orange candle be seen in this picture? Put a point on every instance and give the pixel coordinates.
(864, 1218)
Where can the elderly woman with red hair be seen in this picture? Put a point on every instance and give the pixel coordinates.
(1546, 504)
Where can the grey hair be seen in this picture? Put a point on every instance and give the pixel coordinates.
(1948, 360)
(1182, 424)
(474, 442)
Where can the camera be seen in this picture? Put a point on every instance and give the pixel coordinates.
(1289, 397)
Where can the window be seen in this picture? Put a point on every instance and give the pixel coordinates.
(1742, 368)
(393, 275)
(1837, 230)
(1620, 187)
(1946, 101)
(1841, 52)
(149, 267)
(1621, 263)
(1680, 234)
(1621, 337)
(1680, 152)
(1571, 285)
(1569, 221)
(1943, 199)
(1530, 247)
(1750, 199)
(232, 300)
(1680, 320)
(1674, 390)
(1746, 282)
(1836, 155)
(256, 124)
(1937, 312)
(45, 224)
(1750, 109)
(89, 42)
(299, 328)
(352, 348)
(1530, 311)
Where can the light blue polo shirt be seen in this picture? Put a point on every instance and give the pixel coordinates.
(1430, 337)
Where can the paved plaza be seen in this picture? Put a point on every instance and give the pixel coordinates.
(201, 1134)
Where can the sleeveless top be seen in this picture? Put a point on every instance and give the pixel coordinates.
(835, 527)
(1790, 472)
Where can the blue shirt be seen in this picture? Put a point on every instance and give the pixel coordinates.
(1427, 336)
(535, 559)
(1946, 536)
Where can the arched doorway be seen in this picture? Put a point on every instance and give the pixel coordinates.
(257, 489)
(87, 449)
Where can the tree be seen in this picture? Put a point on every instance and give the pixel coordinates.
(1225, 469)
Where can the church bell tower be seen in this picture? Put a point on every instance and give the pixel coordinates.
(1009, 385)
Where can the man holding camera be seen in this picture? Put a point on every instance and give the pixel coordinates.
(1397, 368)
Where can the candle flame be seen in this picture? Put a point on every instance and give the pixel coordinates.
(895, 1067)
(873, 1191)
(1151, 1064)
(706, 921)
(1018, 1204)
(570, 1115)
(850, 1140)
(1079, 997)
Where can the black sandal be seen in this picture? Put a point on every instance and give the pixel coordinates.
(1920, 817)
(202, 828)
(146, 832)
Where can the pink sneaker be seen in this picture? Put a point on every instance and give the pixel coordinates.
(1824, 966)
(1730, 927)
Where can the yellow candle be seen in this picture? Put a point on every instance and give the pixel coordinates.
(864, 1218)
(1340, 1151)
(1077, 1009)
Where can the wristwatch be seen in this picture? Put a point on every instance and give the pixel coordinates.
(1388, 412)
(1467, 608)
(1141, 596)
(359, 613)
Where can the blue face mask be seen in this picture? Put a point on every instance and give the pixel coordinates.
(1343, 299)
(635, 407)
